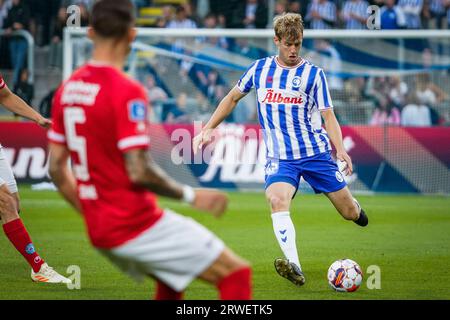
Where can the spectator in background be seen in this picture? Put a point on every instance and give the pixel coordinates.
(429, 93)
(18, 18)
(45, 107)
(298, 6)
(178, 113)
(221, 21)
(202, 8)
(321, 14)
(23, 88)
(55, 56)
(398, 91)
(280, 7)
(412, 10)
(84, 12)
(205, 110)
(210, 22)
(377, 88)
(392, 16)
(437, 13)
(215, 88)
(181, 20)
(251, 14)
(157, 96)
(355, 89)
(166, 17)
(191, 13)
(415, 114)
(385, 113)
(354, 14)
(154, 92)
(5, 6)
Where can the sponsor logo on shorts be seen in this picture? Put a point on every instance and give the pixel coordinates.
(271, 167)
(30, 249)
(339, 176)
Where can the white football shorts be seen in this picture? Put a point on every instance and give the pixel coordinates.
(175, 250)
(6, 174)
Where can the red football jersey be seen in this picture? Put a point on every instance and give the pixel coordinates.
(99, 114)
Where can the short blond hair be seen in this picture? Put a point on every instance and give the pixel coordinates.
(288, 26)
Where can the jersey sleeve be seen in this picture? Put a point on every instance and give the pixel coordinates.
(132, 125)
(2, 83)
(246, 82)
(322, 96)
(57, 134)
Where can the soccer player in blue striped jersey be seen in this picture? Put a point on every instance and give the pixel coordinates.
(292, 96)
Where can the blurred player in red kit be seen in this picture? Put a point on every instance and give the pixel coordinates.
(100, 122)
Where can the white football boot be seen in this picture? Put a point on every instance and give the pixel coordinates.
(48, 275)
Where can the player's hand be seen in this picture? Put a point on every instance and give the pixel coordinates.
(44, 122)
(344, 157)
(212, 201)
(199, 140)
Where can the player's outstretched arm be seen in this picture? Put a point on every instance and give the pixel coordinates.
(143, 171)
(225, 107)
(16, 105)
(62, 175)
(335, 134)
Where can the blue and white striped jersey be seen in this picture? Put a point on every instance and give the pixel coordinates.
(289, 102)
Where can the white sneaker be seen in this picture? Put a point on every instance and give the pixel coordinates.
(47, 274)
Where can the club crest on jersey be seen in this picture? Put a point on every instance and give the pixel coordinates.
(296, 82)
(137, 110)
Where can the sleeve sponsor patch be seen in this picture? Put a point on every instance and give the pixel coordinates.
(137, 110)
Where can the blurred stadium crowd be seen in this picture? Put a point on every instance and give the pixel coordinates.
(418, 99)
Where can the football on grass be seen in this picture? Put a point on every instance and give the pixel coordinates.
(345, 275)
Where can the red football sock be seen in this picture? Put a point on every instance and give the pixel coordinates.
(19, 237)
(237, 285)
(163, 292)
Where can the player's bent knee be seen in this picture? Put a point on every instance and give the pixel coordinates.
(7, 206)
(278, 203)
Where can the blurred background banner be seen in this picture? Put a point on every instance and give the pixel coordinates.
(386, 159)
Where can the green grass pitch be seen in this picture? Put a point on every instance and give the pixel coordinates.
(408, 238)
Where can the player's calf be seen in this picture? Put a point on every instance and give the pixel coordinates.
(349, 211)
(231, 275)
(236, 285)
